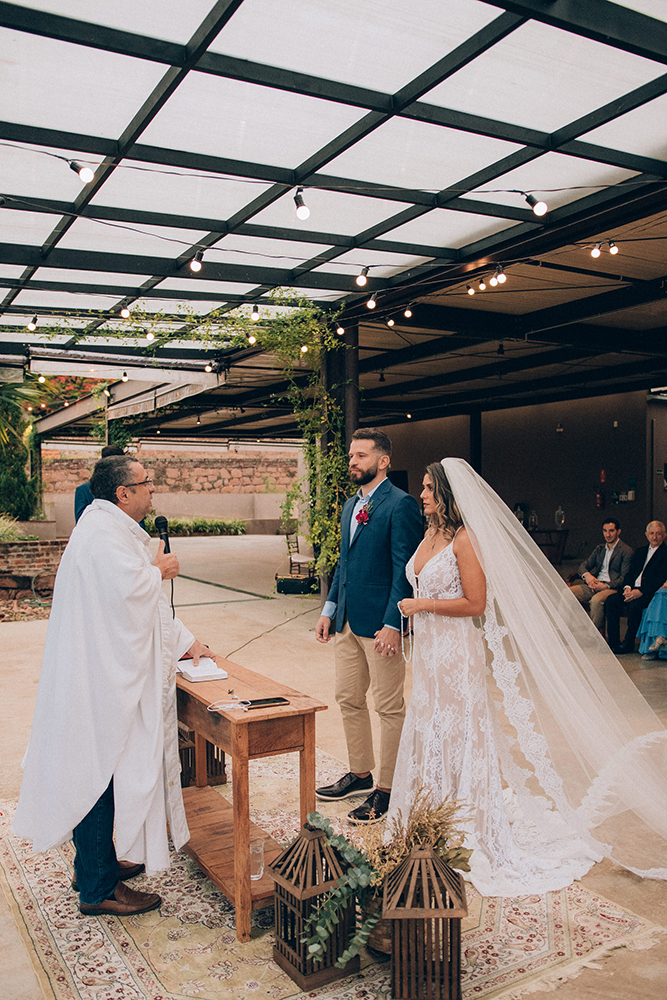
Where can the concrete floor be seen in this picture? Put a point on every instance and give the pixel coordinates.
(226, 596)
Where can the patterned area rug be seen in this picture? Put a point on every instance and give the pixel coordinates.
(188, 949)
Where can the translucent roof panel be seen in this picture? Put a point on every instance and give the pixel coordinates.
(165, 189)
(418, 155)
(54, 84)
(89, 277)
(256, 252)
(330, 212)
(443, 228)
(382, 265)
(318, 294)
(171, 20)
(25, 227)
(653, 8)
(35, 172)
(558, 179)
(199, 285)
(636, 132)
(111, 237)
(173, 307)
(380, 45)
(543, 78)
(229, 118)
(9, 270)
(64, 300)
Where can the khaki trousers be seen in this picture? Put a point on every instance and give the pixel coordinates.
(359, 667)
(597, 598)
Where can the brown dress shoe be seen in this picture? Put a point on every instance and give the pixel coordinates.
(124, 902)
(126, 869)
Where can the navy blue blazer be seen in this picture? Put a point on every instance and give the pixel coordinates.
(370, 576)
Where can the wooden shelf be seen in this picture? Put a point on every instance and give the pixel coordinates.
(211, 845)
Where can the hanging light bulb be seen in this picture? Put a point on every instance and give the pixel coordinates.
(407, 312)
(66, 403)
(595, 252)
(30, 409)
(124, 377)
(390, 322)
(470, 290)
(482, 285)
(85, 173)
(252, 339)
(361, 278)
(381, 379)
(196, 262)
(157, 431)
(254, 314)
(501, 276)
(340, 331)
(41, 379)
(539, 207)
(501, 349)
(198, 420)
(125, 312)
(493, 281)
(302, 210)
(208, 368)
(613, 249)
(32, 325)
(150, 335)
(107, 393)
(409, 416)
(304, 348)
(371, 304)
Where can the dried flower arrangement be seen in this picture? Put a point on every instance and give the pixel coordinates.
(372, 854)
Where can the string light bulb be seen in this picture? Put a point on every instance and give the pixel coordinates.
(66, 403)
(482, 285)
(409, 416)
(198, 420)
(340, 331)
(302, 210)
(371, 304)
(304, 348)
(196, 262)
(501, 350)
(595, 252)
(252, 339)
(150, 335)
(41, 379)
(124, 377)
(407, 312)
(539, 208)
(390, 322)
(613, 249)
(361, 279)
(208, 368)
(501, 276)
(125, 312)
(493, 281)
(32, 325)
(470, 290)
(85, 173)
(381, 379)
(254, 314)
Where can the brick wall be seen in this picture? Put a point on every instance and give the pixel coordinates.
(245, 472)
(21, 562)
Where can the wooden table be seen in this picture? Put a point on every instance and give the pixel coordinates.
(220, 833)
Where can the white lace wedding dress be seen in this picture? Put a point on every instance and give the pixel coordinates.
(451, 743)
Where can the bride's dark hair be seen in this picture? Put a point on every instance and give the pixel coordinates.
(447, 516)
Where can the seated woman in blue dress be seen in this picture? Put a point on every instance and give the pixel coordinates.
(653, 628)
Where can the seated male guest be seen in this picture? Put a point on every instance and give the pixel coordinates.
(604, 571)
(648, 571)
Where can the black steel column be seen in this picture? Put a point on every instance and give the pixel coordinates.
(476, 440)
(351, 402)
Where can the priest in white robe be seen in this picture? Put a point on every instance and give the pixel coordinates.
(104, 739)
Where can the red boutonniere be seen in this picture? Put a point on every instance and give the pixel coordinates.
(364, 513)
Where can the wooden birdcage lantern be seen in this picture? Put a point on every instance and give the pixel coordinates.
(425, 900)
(306, 871)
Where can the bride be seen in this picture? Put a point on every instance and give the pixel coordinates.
(519, 708)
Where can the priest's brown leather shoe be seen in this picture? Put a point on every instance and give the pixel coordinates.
(126, 869)
(124, 902)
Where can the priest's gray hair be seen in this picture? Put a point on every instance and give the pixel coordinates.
(109, 474)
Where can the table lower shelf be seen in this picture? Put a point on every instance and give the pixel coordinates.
(211, 845)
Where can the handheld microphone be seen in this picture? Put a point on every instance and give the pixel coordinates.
(162, 528)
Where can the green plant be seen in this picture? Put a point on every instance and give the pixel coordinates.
(372, 857)
(185, 526)
(9, 529)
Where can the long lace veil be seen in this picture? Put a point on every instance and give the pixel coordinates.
(575, 734)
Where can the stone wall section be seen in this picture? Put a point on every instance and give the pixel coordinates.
(246, 472)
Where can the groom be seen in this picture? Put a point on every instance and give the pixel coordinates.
(381, 526)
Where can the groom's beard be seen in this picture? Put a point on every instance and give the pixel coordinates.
(360, 478)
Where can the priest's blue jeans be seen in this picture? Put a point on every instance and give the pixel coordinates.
(95, 863)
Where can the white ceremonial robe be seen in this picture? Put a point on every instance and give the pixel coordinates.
(106, 703)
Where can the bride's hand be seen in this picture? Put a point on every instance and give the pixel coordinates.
(410, 606)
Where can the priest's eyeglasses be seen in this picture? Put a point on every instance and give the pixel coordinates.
(144, 482)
